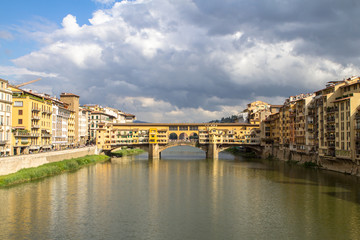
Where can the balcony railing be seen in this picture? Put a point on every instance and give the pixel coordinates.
(45, 135)
(330, 119)
(35, 126)
(2, 142)
(330, 137)
(35, 117)
(330, 128)
(25, 134)
(332, 109)
(35, 109)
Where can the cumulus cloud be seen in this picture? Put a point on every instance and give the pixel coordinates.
(14, 71)
(199, 60)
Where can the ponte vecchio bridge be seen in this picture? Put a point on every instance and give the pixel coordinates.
(156, 137)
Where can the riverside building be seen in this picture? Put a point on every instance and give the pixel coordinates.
(73, 129)
(5, 118)
(31, 122)
(60, 124)
(326, 123)
(83, 125)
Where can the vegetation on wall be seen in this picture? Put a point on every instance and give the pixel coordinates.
(49, 169)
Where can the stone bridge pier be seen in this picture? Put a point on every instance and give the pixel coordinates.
(154, 151)
(211, 150)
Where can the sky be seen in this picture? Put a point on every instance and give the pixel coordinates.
(179, 60)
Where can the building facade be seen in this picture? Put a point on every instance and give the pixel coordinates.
(31, 121)
(5, 118)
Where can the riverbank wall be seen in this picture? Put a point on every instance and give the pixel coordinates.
(15, 163)
(346, 166)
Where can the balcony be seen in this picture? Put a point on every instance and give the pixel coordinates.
(332, 109)
(331, 145)
(330, 119)
(330, 128)
(35, 117)
(25, 134)
(35, 109)
(45, 135)
(330, 138)
(2, 142)
(35, 126)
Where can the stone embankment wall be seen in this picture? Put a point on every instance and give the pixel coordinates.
(337, 165)
(15, 163)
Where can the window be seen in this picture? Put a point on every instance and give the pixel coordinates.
(20, 112)
(20, 121)
(18, 103)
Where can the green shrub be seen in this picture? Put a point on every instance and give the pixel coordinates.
(49, 169)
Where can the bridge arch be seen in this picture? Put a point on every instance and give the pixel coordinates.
(173, 136)
(183, 136)
(194, 136)
(182, 143)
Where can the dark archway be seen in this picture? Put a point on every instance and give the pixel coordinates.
(183, 136)
(194, 136)
(173, 136)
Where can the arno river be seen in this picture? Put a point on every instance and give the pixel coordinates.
(184, 196)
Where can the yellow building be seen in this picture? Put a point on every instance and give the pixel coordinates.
(71, 129)
(31, 121)
(113, 134)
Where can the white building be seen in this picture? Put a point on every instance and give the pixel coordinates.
(60, 120)
(5, 118)
(83, 125)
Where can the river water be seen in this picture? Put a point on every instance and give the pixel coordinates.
(184, 196)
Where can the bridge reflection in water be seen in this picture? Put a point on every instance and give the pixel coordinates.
(156, 137)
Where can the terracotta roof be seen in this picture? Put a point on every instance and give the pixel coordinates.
(342, 99)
